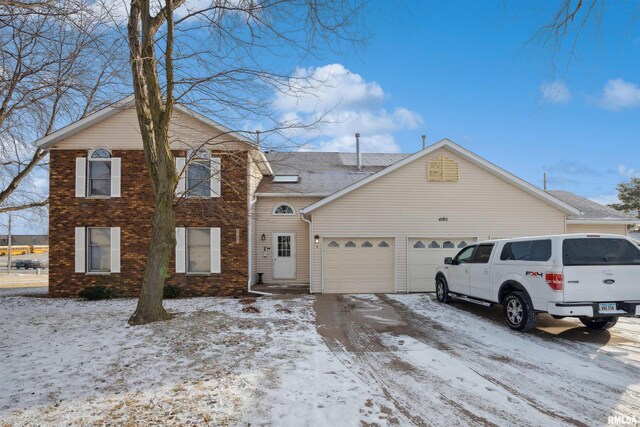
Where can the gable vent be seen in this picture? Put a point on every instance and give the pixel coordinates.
(442, 169)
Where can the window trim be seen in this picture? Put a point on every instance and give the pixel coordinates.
(88, 269)
(186, 253)
(88, 173)
(273, 211)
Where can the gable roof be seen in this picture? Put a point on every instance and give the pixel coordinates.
(321, 174)
(466, 154)
(47, 141)
(591, 211)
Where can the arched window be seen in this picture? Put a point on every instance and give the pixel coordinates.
(366, 244)
(448, 244)
(383, 244)
(434, 244)
(350, 244)
(418, 245)
(284, 209)
(334, 244)
(462, 244)
(99, 173)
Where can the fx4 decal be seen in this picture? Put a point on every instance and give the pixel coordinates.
(534, 274)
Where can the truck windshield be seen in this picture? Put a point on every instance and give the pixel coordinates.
(592, 251)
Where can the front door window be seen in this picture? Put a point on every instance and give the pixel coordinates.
(284, 246)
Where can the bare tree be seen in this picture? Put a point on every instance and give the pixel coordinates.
(58, 63)
(220, 57)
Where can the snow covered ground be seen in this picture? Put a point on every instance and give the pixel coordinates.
(365, 360)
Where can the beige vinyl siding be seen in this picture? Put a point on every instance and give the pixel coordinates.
(267, 223)
(121, 131)
(404, 204)
(597, 228)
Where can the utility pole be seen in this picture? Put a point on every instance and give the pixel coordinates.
(9, 247)
(545, 181)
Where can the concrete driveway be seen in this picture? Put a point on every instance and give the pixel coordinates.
(452, 364)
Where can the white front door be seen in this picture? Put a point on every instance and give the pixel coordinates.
(284, 255)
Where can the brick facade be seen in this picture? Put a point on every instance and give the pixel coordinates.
(132, 212)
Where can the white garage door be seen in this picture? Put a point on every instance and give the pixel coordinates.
(358, 265)
(425, 254)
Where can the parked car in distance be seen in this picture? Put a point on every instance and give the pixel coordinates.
(28, 264)
(593, 277)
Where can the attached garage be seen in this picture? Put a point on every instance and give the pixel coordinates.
(425, 254)
(358, 265)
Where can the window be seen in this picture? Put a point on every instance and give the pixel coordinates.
(448, 245)
(418, 245)
(350, 244)
(462, 244)
(383, 244)
(464, 255)
(483, 254)
(334, 244)
(284, 209)
(598, 251)
(285, 179)
(99, 249)
(284, 246)
(434, 244)
(198, 250)
(366, 244)
(99, 183)
(199, 174)
(530, 250)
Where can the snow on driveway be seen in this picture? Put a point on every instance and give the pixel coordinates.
(327, 360)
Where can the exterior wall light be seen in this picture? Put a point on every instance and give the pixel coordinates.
(263, 237)
(317, 239)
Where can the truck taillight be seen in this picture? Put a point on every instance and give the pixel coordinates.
(555, 281)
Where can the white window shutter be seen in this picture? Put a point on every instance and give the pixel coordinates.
(216, 178)
(215, 251)
(81, 177)
(115, 249)
(115, 176)
(181, 250)
(181, 162)
(80, 246)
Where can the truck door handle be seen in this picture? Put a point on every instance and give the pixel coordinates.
(486, 271)
(466, 270)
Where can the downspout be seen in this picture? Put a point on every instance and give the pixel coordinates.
(251, 201)
(310, 250)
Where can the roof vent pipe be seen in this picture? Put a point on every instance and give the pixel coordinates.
(358, 157)
(424, 141)
(258, 138)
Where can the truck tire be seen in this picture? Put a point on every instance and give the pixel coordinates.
(442, 290)
(518, 312)
(599, 323)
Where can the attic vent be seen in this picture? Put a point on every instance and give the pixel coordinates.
(286, 179)
(442, 169)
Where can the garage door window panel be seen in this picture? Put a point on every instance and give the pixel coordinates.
(350, 244)
(366, 244)
(334, 244)
(383, 244)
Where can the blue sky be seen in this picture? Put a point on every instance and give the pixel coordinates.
(469, 72)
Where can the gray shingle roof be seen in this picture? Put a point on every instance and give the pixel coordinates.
(590, 210)
(322, 173)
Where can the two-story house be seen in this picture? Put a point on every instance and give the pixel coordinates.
(335, 222)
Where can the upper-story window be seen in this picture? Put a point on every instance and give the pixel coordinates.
(284, 209)
(199, 174)
(99, 173)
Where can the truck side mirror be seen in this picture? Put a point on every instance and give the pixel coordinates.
(448, 260)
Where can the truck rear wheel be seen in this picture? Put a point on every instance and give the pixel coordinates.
(599, 323)
(518, 312)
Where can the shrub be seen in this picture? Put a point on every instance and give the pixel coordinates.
(250, 309)
(171, 291)
(95, 293)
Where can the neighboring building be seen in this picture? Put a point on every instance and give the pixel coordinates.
(328, 220)
(25, 240)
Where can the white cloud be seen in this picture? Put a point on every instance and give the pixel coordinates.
(341, 103)
(556, 92)
(618, 94)
(627, 172)
(605, 199)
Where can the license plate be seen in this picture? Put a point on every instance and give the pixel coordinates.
(607, 306)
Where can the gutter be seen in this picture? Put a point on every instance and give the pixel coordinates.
(252, 201)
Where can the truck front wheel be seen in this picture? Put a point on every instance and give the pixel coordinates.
(442, 290)
(518, 312)
(599, 323)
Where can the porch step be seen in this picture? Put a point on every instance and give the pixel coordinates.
(282, 288)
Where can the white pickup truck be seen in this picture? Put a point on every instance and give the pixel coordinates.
(594, 277)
